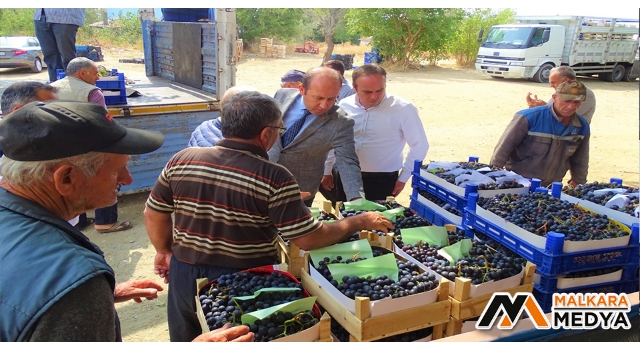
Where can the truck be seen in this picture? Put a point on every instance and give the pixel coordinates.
(190, 62)
(531, 47)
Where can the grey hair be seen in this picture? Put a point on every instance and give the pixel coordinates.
(36, 173)
(79, 64)
(21, 93)
(247, 113)
(564, 72)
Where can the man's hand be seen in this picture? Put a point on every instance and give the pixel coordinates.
(573, 183)
(534, 102)
(376, 221)
(137, 290)
(398, 188)
(327, 182)
(226, 333)
(305, 195)
(161, 264)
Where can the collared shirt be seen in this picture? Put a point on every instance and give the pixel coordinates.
(345, 90)
(230, 202)
(382, 132)
(63, 16)
(295, 112)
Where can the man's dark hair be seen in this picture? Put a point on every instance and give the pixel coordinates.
(247, 113)
(367, 69)
(335, 65)
(21, 93)
(320, 71)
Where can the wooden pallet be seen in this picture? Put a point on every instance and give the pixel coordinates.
(364, 328)
(464, 308)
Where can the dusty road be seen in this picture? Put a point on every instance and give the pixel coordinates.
(463, 113)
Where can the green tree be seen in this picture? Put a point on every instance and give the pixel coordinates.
(16, 22)
(464, 47)
(404, 36)
(329, 20)
(281, 23)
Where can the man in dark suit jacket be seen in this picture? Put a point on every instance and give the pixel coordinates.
(327, 127)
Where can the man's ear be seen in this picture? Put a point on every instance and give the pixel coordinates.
(66, 179)
(301, 89)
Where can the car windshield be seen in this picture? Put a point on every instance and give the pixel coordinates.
(12, 42)
(507, 37)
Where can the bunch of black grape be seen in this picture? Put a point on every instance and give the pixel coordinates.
(540, 213)
(220, 308)
(439, 202)
(411, 280)
(500, 186)
(350, 212)
(326, 216)
(477, 165)
(482, 265)
(389, 204)
(281, 324)
(592, 273)
(587, 192)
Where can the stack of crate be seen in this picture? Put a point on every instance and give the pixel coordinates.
(239, 49)
(278, 51)
(266, 46)
(113, 88)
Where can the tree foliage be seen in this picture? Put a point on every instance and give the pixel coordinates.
(464, 46)
(281, 23)
(404, 36)
(329, 20)
(16, 22)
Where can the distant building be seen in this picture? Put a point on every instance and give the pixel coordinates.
(366, 41)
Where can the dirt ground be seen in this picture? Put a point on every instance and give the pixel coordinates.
(463, 113)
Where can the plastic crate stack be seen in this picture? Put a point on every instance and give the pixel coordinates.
(443, 203)
(113, 88)
(346, 59)
(563, 266)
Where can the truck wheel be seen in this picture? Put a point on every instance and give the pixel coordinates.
(616, 74)
(542, 75)
(627, 74)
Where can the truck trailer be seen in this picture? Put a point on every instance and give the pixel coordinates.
(534, 45)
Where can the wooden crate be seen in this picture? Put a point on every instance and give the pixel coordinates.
(364, 328)
(464, 308)
(239, 49)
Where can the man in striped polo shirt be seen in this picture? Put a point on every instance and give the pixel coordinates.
(229, 203)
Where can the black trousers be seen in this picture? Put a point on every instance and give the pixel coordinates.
(377, 186)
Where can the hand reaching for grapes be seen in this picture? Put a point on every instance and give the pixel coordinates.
(327, 182)
(398, 188)
(136, 290)
(376, 221)
(226, 334)
(161, 264)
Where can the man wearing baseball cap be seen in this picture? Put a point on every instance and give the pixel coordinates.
(544, 142)
(60, 159)
(291, 79)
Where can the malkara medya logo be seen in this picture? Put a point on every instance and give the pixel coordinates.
(568, 311)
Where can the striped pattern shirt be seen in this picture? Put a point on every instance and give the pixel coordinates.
(229, 203)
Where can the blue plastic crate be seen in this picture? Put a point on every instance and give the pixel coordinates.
(115, 100)
(457, 201)
(551, 261)
(111, 84)
(545, 298)
(82, 48)
(550, 284)
(431, 215)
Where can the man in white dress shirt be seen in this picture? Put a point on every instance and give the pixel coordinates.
(384, 124)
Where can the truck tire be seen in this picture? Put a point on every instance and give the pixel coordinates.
(616, 74)
(542, 75)
(627, 74)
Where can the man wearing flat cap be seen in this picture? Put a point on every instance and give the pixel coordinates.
(60, 159)
(544, 142)
(291, 79)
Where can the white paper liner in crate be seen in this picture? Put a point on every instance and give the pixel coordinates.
(540, 242)
(566, 283)
(455, 219)
(459, 191)
(613, 214)
(308, 335)
(378, 307)
(475, 290)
